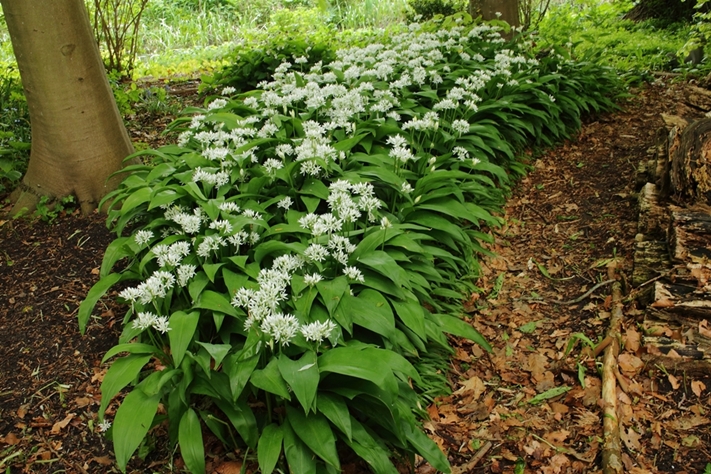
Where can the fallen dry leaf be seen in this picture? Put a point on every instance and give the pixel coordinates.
(665, 303)
(557, 437)
(11, 439)
(631, 439)
(229, 467)
(673, 381)
(688, 422)
(632, 340)
(474, 387)
(630, 364)
(60, 425)
(22, 411)
(704, 329)
(103, 460)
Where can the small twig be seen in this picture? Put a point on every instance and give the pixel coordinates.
(652, 280)
(545, 221)
(477, 457)
(586, 294)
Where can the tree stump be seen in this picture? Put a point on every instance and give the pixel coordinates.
(690, 167)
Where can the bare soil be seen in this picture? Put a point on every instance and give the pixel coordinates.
(574, 214)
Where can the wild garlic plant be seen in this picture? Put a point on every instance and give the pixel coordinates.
(303, 245)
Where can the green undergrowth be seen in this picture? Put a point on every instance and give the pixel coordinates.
(14, 129)
(597, 32)
(296, 262)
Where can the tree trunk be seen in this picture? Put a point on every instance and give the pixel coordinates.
(507, 10)
(78, 136)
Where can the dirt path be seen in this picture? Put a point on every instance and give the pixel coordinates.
(574, 214)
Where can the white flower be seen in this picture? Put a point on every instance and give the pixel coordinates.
(185, 273)
(142, 237)
(281, 327)
(160, 324)
(461, 153)
(317, 331)
(385, 223)
(460, 126)
(216, 104)
(228, 90)
(354, 274)
(222, 226)
(312, 279)
(229, 207)
(285, 203)
(104, 425)
(406, 188)
(209, 244)
(144, 320)
(550, 96)
(316, 252)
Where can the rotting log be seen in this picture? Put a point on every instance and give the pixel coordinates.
(689, 234)
(612, 449)
(653, 217)
(690, 156)
(698, 97)
(651, 260)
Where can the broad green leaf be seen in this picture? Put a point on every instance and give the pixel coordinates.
(216, 351)
(164, 196)
(370, 310)
(384, 264)
(332, 292)
(457, 327)
(131, 348)
(336, 410)
(375, 454)
(269, 448)
(427, 448)
(239, 370)
(136, 198)
(96, 292)
(270, 379)
(211, 270)
(355, 362)
(412, 314)
(548, 394)
(299, 457)
(214, 301)
(132, 422)
(116, 250)
(302, 376)
(315, 431)
(182, 327)
(242, 418)
(122, 372)
(191, 444)
(197, 284)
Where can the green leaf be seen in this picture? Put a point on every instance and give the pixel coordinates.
(427, 448)
(131, 348)
(384, 264)
(365, 446)
(214, 301)
(336, 410)
(96, 292)
(548, 394)
(370, 310)
(116, 250)
(242, 418)
(216, 351)
(122, 372)
(136, 198)
(302, 376)
(270, 379)
(211, 270)
(412, 314)
(239, 369)
(332, 292)
(191, 444)
(457, 327)
(132, 422)
(299, 457)
(355, 362)
(269, 448)
(528, 328)
(182, 327)
(315, 431)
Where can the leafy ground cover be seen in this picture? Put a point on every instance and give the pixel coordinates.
(574, 213)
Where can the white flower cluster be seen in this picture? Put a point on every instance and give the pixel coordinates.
(145, 320)
(156, 286)
(263, 304)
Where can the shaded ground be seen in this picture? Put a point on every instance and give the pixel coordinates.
(574, 214)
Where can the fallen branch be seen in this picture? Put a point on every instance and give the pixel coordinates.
(586, 294)
(612, 449)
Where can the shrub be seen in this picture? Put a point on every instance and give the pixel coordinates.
(14, 130)
(426, 9)
(304, 244)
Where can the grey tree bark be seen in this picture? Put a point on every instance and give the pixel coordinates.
(78, 136)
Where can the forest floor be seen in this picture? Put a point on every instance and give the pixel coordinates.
(520, 409)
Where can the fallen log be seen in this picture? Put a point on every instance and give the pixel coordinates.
(690, 156)
(612, 449)
(653, 219)
(698, 97)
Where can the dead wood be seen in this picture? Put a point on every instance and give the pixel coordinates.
(698, 97)
(690, 155)
(612, 449)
